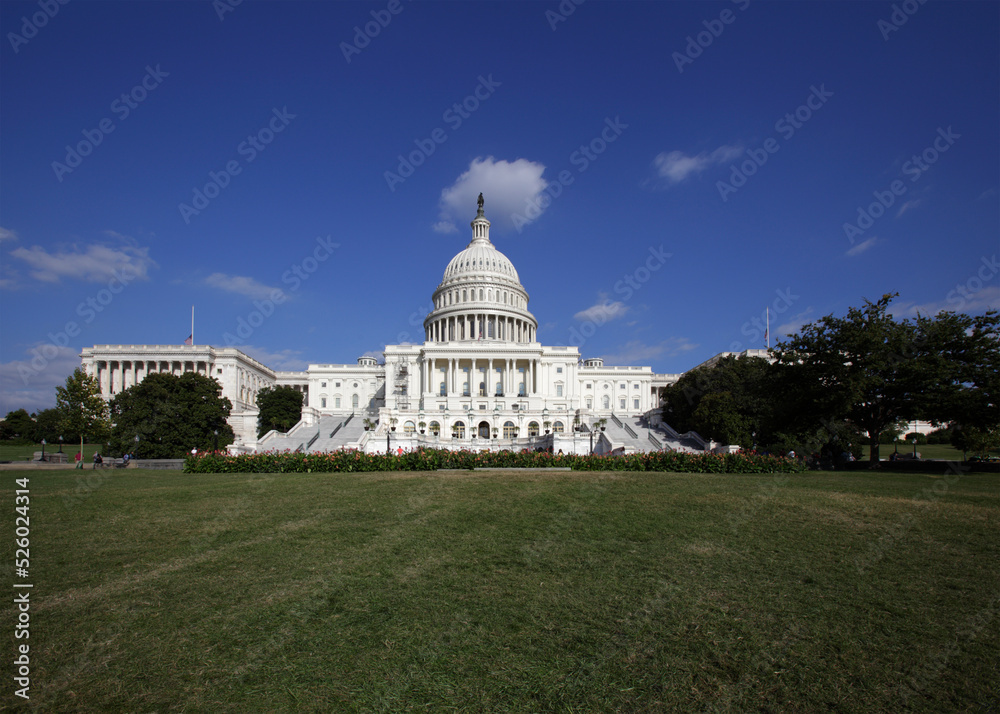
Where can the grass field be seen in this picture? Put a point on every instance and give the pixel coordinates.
(569, 592)
(945, 452)
(25, 452)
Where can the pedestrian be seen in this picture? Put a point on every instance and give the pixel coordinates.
(97, 459)
(79, 460)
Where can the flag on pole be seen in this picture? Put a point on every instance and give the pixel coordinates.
(189, 340)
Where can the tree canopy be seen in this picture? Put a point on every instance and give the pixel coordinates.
(84, 413)
(170, 415)
(280, 409)
(871, 370)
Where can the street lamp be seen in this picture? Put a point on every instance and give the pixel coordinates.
(43, 449)
(914, 446)
(60, 444)
(137, 444)
(216, 439)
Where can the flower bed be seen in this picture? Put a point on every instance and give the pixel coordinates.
(432, 459)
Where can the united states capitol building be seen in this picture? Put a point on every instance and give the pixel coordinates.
(480, 380)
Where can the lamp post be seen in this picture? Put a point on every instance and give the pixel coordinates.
(137, 444)
(60, 444)
(216, 440)
(43, 449)
(591, 430)
(914, 446)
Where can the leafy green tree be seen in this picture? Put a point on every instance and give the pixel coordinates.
(976, 440)
(83, 409)
(280, 409)
(873, 371)
(49, 423)
(733, 401)
(170, 415)
(18, 424)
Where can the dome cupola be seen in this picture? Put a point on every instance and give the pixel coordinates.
(480, 295)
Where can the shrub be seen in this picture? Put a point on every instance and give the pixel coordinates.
(432, 459)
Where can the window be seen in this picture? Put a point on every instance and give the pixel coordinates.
(442, 391)
(435, 428)
(218, 371)
(482, 407)
(482, 389)
(559, 390)
(590, 402)
(458, 429)
(533, 428)
(322, 403)
(508, 430)
(441, 407)
(520, 390)
(465, 389)
(622, 385)
(622, 403)
(409, 428)
(336, 402)
(635, 404)
(607, 401)
(354, 401)
(322, 384)
(499, 389)
(589, 385)
(557, 428)
(336, 384)
(558, 370)
(635, 386)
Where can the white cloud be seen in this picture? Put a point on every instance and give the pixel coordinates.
(794, 325)
(6, 234)
(907, 206)
(602, 312)
(241, 285)
(282, 361)
(676, 166)
(96, 263)
(31, 383)
(636, 352)
(972, 303)
(862, 246)
(509, 188)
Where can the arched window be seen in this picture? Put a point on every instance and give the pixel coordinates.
(557, 428)
(480, 294)
(409, 428)
(354, 401)
(458, 429)
(435, 428)
(465, 296)
(482, 389)
(590, 403)
(533, 428)
(508, 430)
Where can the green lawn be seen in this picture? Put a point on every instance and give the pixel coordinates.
(569, 592)
(25, 452)
(945, 452)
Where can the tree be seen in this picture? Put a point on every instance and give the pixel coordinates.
(18, 424)
(83, 409)
(979, 441)
(280, 409)
(170, 415)
(872, 371)
(732, 401)
(49, 425)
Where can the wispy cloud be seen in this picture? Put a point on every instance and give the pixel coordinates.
(95, 263)
(6, 234)
(862, 246)
(972, 303)
(23, 386)
(603, 311)
(240, 285)
(281, 361)
(794, 324)
(636, 352)
(907, 206)
(508, 188)
(676, 166)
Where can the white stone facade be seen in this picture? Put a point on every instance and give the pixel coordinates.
(480, 374)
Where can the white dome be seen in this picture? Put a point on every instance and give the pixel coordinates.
(478, 258)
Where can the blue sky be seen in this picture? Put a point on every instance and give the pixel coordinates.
(658, 173)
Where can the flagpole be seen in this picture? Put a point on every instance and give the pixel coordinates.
(767, 330)
(192, 325)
